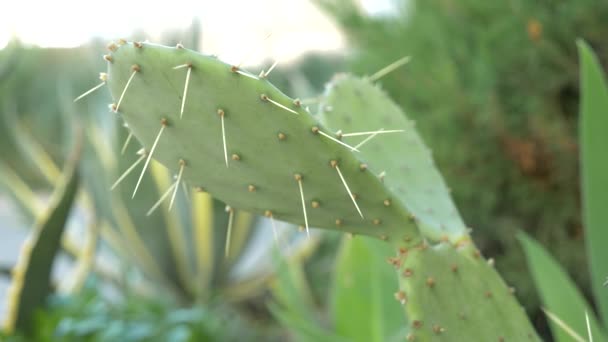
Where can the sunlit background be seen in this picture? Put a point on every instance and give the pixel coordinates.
(233, 29)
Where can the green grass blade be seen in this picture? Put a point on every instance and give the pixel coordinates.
(558, 293)
(291, 289)
(294, 305)
(594, 171)
(32, 276)
(364, 308)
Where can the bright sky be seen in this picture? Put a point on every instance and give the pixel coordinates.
(232, 29)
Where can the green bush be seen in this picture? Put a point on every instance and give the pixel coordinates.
(494, 86)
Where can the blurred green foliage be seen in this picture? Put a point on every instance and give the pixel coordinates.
(36, 91)
(494, 87)
(357, 306)
(90, 316)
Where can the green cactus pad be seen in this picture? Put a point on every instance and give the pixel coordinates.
(269, 138)
(452, 294)
(353, 105)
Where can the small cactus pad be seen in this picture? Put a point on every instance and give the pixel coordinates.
(245, 142)
(451, 290)
(402, 159)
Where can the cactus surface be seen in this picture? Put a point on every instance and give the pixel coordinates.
(446, 287)
(452, 294)
(247, 143)
(354, 105)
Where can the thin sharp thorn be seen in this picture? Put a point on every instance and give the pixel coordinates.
(181, 66)
(271, 68)
(348, 190)
(338, 141)
(246, 74)
(122, 95)
(389, 68)
(367, 139)
(224, 140)
(124, 146)
(128, 171)
(282, 106)
(181, 113)
(176, 187)
(589, 334)
(265, 74)
(141, 176)
(567, 329)
(304, 207)
(229, 232)
(161, 199)
(380, 131)
(90, 91)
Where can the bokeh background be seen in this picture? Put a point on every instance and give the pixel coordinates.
(493, 87)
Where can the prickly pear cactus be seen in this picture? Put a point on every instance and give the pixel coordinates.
(237, 136)
(449, 291)
(394, 151)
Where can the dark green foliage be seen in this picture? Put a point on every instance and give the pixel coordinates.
(493, 86)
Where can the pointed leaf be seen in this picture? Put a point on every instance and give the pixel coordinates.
(364, 306)
(594, 171)
(558, 293)
(32, 276)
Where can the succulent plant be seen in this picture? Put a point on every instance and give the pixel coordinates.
(235, 135)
